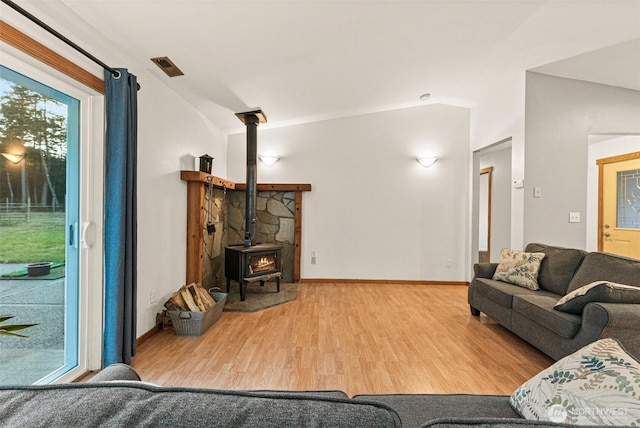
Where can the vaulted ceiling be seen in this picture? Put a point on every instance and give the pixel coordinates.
(312, 60)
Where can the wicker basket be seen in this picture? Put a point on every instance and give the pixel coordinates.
(187, 323)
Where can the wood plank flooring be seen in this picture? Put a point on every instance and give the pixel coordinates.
(356, 337)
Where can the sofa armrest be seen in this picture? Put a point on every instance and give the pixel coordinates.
(117, 371)
(620, 321)
(621, 315)
(484, 270)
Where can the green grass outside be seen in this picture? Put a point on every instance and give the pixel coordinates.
(41, 239)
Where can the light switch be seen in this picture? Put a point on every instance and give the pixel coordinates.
(574, 217)
(518, 184)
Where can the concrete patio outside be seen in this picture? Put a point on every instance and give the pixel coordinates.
(26, 360)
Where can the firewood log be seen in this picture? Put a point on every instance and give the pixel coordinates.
(208, 296)
(196, 297)
(177, 296)
(172, 305)
(191, 304)
(203, 297)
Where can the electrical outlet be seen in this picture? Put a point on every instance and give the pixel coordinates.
(574, 217)
(153, 296)
(537, 192)
(449, 263)
(314, 257)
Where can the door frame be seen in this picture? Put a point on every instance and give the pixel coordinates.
(89, 230)
(601, 163)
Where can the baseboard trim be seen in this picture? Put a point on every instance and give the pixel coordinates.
(381, 281)
(140, 340)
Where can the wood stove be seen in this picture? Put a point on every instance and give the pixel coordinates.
(260, 262)
(250, 262)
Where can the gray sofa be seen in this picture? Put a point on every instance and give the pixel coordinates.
(531, 315)
(117, 398)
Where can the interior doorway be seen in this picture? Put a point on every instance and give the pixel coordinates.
(491, 221)
(619, 205)
(484, 216)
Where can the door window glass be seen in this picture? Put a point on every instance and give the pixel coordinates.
(628, 212)
(39, 147)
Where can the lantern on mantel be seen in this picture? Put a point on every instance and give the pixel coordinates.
(206, 162)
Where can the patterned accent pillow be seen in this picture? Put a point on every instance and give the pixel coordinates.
(519, 268)
(599, 291)
(597, 385)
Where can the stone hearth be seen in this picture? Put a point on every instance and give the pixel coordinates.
(275, 214)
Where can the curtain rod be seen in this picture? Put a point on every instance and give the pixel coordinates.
(43, 25)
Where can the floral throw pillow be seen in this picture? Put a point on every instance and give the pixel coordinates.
(519, 268)
(599, 291)
(597, 385)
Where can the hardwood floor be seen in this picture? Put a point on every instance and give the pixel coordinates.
(358, 338)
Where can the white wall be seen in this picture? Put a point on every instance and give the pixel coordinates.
(498, 118)
(170, 133)
(374, 212)
(560, 115)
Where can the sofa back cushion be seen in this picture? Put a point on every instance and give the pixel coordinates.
(137, 404)
(557, 267)
(606, 267)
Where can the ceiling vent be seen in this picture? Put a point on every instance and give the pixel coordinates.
(167, 66)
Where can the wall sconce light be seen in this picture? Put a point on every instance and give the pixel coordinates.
(14, 158)
(427, 161)
(269, 160)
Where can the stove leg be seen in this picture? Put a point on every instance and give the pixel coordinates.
(243, 290)
(228, 285)
(278, 284)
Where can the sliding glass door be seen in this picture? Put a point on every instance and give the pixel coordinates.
(39, 217)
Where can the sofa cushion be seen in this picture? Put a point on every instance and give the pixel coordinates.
(519, 268)
(558, 266)
(606, 267)
(502, 293)
(133, 404)
(416, 409)
(599, 291)
(539, 308)
(594, 386)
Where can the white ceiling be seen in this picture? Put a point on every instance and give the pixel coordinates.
(312, 60)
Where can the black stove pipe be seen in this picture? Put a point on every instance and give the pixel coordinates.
(251, 121)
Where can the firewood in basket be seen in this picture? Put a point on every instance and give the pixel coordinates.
(205, 298)
(177, 297)
(172, 305)
(196, 297)
(208, 296)
(191, 304)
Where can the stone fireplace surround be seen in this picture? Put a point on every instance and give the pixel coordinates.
(278, 214)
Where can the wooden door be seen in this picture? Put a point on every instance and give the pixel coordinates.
(619, 205)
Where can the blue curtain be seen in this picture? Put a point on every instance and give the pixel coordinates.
(120, 218)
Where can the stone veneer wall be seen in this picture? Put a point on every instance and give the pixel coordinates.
(275, 225)
(213, 254)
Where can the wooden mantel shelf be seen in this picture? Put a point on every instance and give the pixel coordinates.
(202, 177)
(277, 187)
(196, 181)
